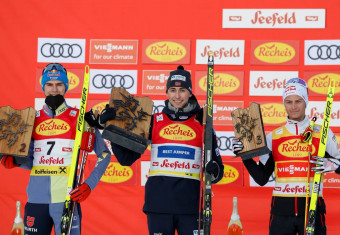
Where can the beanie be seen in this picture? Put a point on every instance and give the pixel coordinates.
(296, 86)
(54, 72)
(179, 78)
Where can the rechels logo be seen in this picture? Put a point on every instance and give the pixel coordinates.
(223, 83)
(273, 113)
(319, 83)
(115, 173)
(165, 51)
(274, 52)
(230, 175)
(177, 132)
(294, 149)
(52, 127)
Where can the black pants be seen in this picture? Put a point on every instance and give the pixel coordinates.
(166, 224)
(292, 225)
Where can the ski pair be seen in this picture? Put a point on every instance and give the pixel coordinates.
(83, 145)
(318, 178)
(205, 213)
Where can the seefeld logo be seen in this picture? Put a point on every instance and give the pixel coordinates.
(177, 132)
(319, 83)
(73, 80)
(230, 175)
(294, 148)
(274, 52)
(273, 113)
(165, 51)
(223, 83)
(52, 127)
(116, 173)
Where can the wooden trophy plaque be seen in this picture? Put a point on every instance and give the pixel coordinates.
(248, 128)
(130, 128)
(16, 128)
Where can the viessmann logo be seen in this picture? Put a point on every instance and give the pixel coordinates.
(274, 52)
(177, 132)
(230, 175)
(223, 83)
(115, 173)
(319, 83)
(273, 113)
(293, 148)
(165, 51)
(52, 127)
(73, 80)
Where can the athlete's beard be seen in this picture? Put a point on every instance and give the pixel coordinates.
(54, 101)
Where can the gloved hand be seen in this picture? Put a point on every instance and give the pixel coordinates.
(237, 146)
(80, 193)
(106, 115)
(91, 119)
(325, 164)
(212, 168)
(8, 161)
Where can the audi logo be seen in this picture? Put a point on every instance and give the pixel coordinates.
(158, 108)
(224, 143)
(64, 50)
(108, 81)
(324, 52)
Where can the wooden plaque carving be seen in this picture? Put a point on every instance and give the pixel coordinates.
(131, 126)
(248, 127)
(16, 128)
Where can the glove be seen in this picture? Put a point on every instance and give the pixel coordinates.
(80, 193)
(212, 168)
(106, 115)
(91, 119)
(325, 164)
(237, 146)
(8, 161)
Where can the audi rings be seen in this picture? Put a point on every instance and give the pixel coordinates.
(158, 108)
(64, 50)
(224, 143)
(108, 81)
(324, 52)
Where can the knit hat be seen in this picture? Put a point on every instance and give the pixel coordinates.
(54, 72)
(179, 78)
(296, 86)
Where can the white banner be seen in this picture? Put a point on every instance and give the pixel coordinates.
(322, 52)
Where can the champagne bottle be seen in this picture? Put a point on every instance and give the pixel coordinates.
(235, 225)
(18, 225)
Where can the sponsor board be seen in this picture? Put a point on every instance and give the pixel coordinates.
(317, 109)
(96, 105)
(273, 113)
(273, 18)
(286, 169)
(277, 52)
(269, 83)
(163, 51)
(322, 52)
(232, 174)
(145, 169)
(116, 173)
(40, 102)
(331, 180)
(154, 82)
(61, 50)
(228, 52)
(111, 51)
(75, 79)
(102, 80)
(222, 111)
(225, 83)
(318, 82)
(224, 142)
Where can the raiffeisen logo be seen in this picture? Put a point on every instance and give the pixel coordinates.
(177, 132)
(73, 80)
(230, 175)
(165, 51)
(295, 149)
(274, 52)
(319, 83)
(52, 127)
(223, 83)
(273, 113)
(115, 173)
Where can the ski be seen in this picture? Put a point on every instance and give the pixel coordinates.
(67, 216)
(205, 216)
(321, 153)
